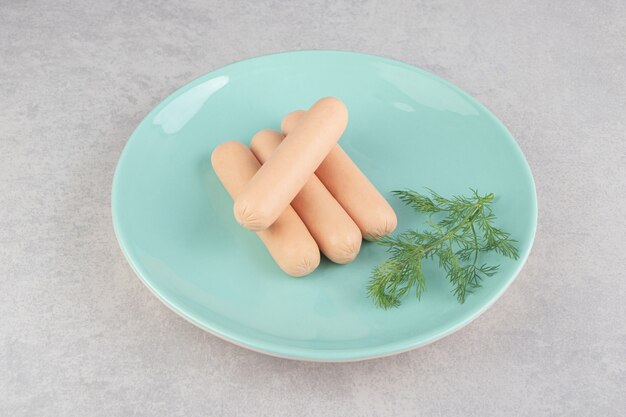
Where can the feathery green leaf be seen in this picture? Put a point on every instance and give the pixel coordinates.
(456, 241)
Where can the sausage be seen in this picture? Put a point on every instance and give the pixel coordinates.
(287, 240)
(345, 181)
(278, 181)
(338, 237)
(290, 121)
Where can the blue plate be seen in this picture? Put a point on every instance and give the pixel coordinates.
(408, 129)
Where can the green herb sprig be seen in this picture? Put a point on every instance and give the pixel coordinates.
(463, 231)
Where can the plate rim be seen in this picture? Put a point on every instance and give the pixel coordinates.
(310, 354)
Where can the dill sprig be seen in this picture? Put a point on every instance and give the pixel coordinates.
(463, 231)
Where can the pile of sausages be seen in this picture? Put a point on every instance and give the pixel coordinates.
(301, 192)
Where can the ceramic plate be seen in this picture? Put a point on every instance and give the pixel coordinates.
(407, 129)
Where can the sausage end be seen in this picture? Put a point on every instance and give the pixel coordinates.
(383, 227)
(309, 262)
(345, 250)
(249, 217)
(290, 121)
(224, 149)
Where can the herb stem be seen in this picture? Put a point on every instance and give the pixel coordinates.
(475, 244)
(455, 229)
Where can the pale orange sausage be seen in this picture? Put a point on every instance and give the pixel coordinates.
(278, 181)
(290, 121)
(358, 196)
(338, 237)
(287, 240)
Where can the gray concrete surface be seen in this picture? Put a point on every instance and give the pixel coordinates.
(80, 335)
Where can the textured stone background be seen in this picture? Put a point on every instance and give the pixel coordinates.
(80, 335)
